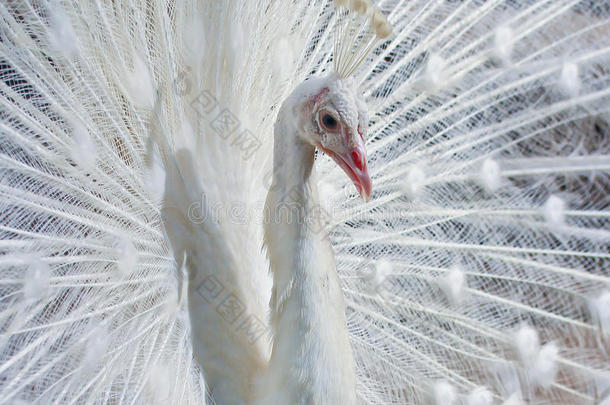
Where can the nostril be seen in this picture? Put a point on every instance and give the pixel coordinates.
(358, 158)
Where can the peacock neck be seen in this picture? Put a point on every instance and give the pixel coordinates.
(311, 360)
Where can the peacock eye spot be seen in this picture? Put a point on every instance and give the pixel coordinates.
(329, 122)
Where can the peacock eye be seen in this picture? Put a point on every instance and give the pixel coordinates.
(329, 122)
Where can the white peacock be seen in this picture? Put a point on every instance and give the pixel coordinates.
(145, 148)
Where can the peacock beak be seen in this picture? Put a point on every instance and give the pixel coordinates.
(353, 162)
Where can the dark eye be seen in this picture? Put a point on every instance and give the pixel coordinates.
(329, 122)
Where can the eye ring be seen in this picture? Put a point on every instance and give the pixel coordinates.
(328, 121)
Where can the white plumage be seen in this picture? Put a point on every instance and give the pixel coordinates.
(136, 156)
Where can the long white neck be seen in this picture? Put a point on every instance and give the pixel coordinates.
(311, 360)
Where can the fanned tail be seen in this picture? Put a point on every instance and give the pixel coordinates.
(135, 143)
(89, 306)
(479, 271)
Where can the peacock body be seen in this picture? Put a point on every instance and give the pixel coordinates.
(136, 156)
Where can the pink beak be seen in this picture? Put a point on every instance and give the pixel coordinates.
(353, 163)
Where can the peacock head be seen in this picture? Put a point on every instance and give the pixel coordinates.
(333, 118)
(334, 115)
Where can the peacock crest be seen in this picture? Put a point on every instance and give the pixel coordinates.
(360, 26)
